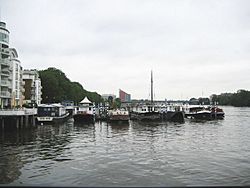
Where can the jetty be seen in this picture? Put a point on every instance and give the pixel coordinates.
(17, 118)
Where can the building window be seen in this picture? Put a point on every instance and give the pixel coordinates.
(4, 37)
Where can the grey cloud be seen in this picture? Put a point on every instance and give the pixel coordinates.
(186, 43)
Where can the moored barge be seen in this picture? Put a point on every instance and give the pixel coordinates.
(51, 113)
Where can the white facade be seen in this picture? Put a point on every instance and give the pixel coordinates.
(17, 82)
(86, 107)
(11, 73)
(33, 87)
(5, 68)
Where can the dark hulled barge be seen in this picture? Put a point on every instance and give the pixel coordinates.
(51, 113)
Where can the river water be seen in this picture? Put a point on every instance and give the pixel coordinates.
(135, 154)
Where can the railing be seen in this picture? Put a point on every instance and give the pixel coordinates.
(5, 83)
(5, 62)
(5, 72)
(30, 111)
(6, 51)
(18, 112)
(11, 112)
(5, 94)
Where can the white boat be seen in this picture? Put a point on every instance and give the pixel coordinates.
(51, 113)
(118, 115)
(203, 112)
(85, 112)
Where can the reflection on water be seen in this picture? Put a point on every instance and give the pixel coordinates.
(134, 154)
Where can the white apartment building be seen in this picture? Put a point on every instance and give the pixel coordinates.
(11, 84)
(17, 81)
(5, 68)
(32, 87)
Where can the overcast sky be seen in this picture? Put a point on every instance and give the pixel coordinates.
(195, 48)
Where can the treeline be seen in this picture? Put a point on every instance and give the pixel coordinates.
(56, 87)
(239, 99)
(199, 101)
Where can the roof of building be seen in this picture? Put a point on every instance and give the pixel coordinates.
(14, 52)
(51, 105)
(85, 101)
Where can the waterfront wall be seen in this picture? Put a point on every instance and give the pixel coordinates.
(17, 118)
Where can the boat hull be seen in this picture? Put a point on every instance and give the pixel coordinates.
(174, 116)
(147, 116)
(206, 116)
(52, 120)
(84, 118)
(115, 118)
(218, 115)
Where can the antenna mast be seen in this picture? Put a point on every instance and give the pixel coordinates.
(151, 87)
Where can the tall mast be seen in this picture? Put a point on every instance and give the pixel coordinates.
(151, 87)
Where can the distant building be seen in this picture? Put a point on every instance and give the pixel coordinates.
(125, 97)
(33, 88)
(106, 97)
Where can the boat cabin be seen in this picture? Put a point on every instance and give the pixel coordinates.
(193, 108)
(144, 109)
(86, 106)
(51, 110)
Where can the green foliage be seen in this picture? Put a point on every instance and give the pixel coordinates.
(240, 98)
(199, 101)
(204, 101)
(117, 103)
(194, 101)
(113, 103)
(56, 87)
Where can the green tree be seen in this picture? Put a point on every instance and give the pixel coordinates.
(240, 98)
(56, 87)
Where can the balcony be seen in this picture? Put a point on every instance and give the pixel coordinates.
(18, 112)
(5, 62)
(5, 94)
(5, 83)
(5, 72)
(5, 52)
